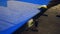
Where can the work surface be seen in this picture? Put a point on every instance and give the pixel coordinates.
(15, 15)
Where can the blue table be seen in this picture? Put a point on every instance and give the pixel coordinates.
(15, 15)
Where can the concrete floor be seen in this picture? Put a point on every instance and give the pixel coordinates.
(48, 24)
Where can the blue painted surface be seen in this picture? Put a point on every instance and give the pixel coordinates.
(17, 13)
(41, 2)
(3, 3)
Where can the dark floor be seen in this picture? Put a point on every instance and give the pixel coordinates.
(48, 24)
